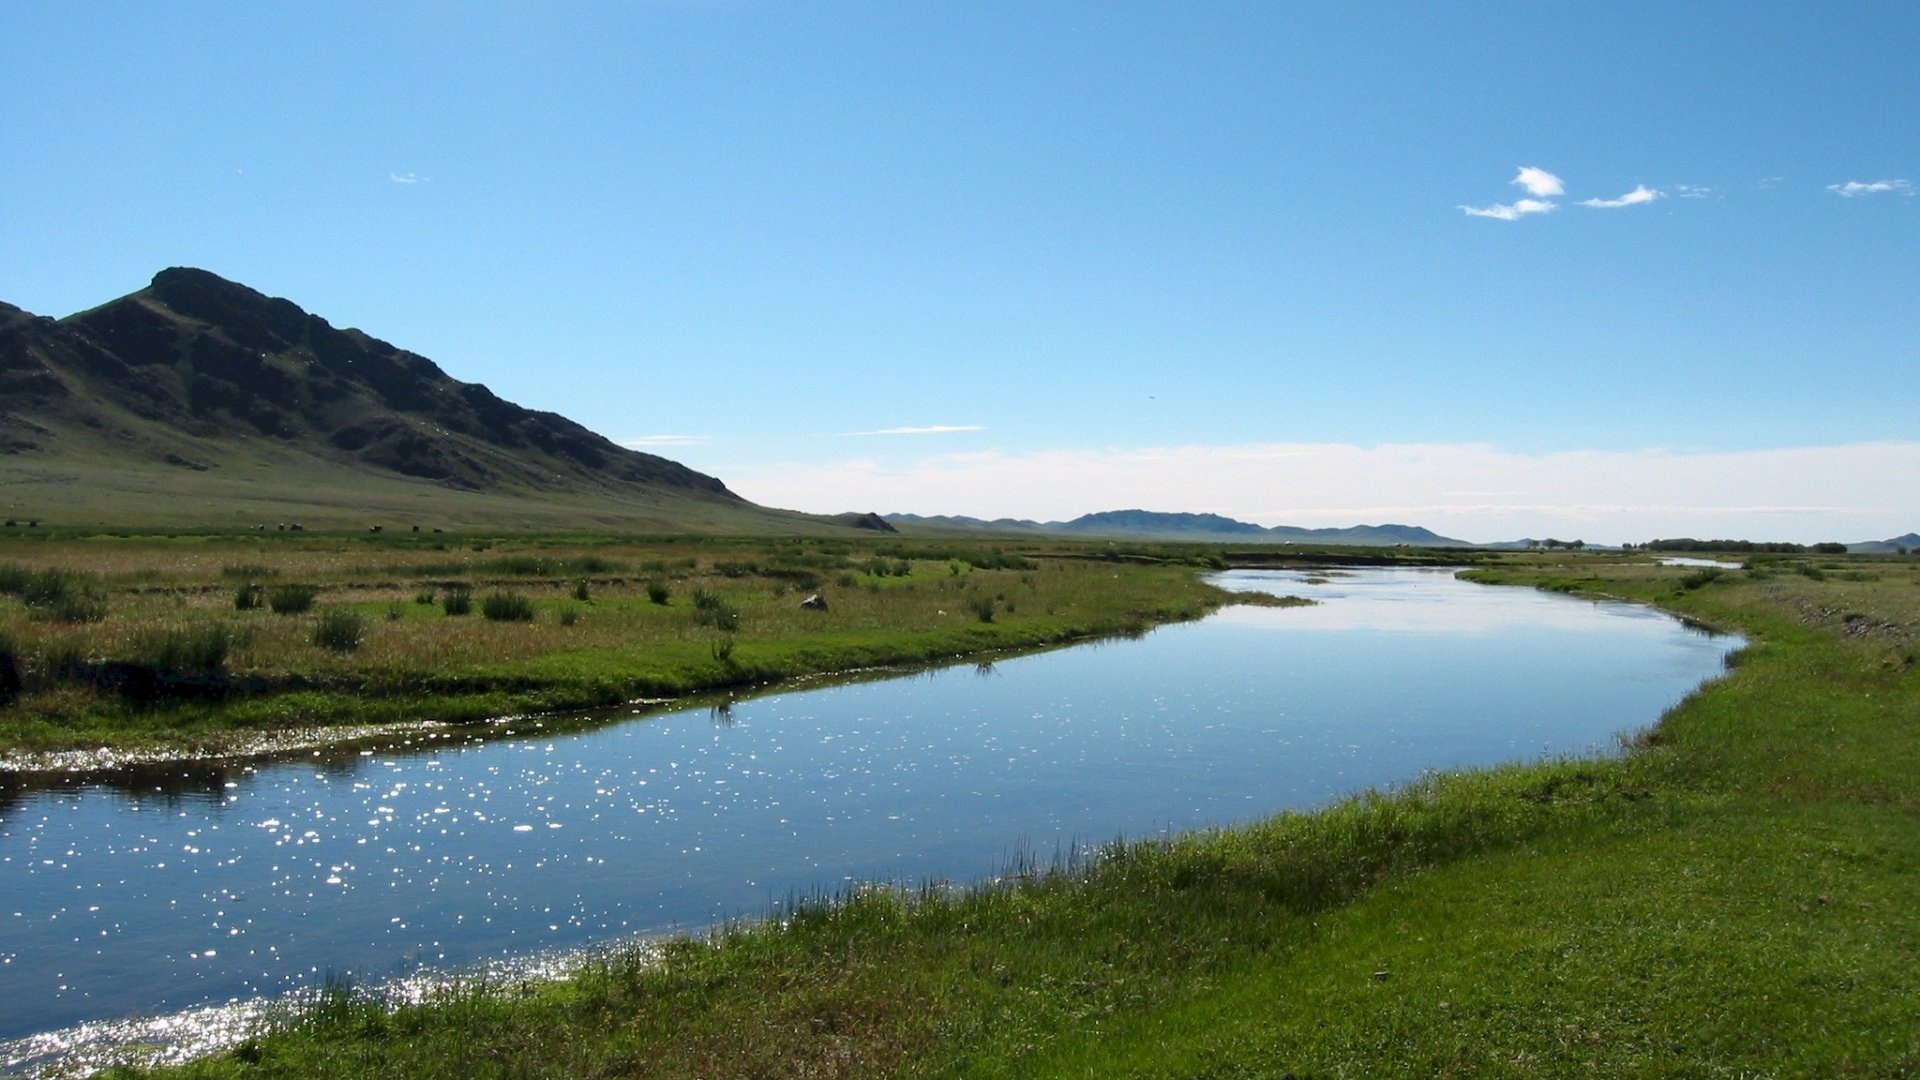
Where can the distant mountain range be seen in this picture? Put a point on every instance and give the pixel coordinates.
(1907, 544)
(1212, 528)
(200, 401)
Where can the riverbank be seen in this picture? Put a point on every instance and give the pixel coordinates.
(1738, 894)
(144, 648)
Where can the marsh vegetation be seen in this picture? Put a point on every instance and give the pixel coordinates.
(320, 630)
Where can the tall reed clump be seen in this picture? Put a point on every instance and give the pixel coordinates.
(711, 610)
(55, 595)
(248, 597)
(507, 607)
(658, 592)
(292, 599)
(340, 630)
(195, 651)
(457, 601)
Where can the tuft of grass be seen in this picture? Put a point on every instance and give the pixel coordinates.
(248, 597)
(507, 607)
(457, 601)
(582, 590)
(658, 593)
(340, 630)
(292, 599)
(193, 650)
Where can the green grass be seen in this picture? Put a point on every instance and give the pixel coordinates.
(1739, 895)
(381, 649)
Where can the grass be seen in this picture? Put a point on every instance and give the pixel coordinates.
(1737, 895)
(413, 656)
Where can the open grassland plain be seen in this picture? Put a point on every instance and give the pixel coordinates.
(213, 643)
(1736, 895)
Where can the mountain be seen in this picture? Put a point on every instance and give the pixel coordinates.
(1899, 545)
(1209, 528)
(200, 401)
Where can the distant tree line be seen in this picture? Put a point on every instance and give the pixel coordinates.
(1688, 543)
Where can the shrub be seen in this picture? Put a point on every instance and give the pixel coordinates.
(200, 650)
(55, 595)
(425, 596)
(507, 607)
(1706, 575)
(339, 630)
(292, 599)
(248, 597)
(720, 616)
(982, 608)
(458, 601)
(569, 616)
(13, 578)
(706, 599)
(658, 592)
(582, 590)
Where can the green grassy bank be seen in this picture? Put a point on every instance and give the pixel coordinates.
(1737, 896)
(215, 642)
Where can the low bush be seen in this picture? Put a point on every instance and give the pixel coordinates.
(248, 597)
(658, 592)
(292, 599)
(340, 630)
(507, 607)
(199, 650)
(457, 601)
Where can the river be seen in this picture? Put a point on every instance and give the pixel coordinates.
(239, 886)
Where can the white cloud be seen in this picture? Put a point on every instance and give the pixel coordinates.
(1640, 194)
(1539, 182)
(1692, 191)
(645, 441)
(931, 429)
(1852, 188)
(1471, 491)
(1512, 211)
(407, 178)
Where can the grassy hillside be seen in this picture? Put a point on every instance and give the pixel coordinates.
(1739, 895)
(199, 403)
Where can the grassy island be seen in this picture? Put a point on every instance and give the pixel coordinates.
(1736, 895)
(165, 645)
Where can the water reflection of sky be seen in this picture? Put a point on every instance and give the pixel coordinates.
(1418, 601)
(388, 863)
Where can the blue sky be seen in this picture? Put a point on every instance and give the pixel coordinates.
(1610, 271)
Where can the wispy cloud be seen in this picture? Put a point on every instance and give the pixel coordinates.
(1692, 191)
(931, 429)
(1472, 491)
(1640, 195)
(1512, 211)
(1853, 188)
(645, 441)
(1539, 182)
(408, 178)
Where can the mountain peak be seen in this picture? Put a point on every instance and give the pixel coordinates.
(199, 369)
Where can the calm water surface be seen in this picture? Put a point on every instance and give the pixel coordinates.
(114, 904)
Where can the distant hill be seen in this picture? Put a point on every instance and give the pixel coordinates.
(1212, 528)
(1907, 544)
(200, 401)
